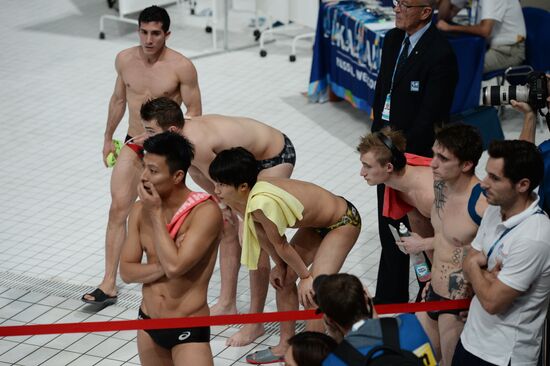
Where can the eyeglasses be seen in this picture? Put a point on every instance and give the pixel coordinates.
(399, 4)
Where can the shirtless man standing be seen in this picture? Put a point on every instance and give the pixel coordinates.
(211, 134)
(143, 72)
(408, 178)
(179, 232)
(456, 214)
(328, 226)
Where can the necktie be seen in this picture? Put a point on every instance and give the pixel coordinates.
(403, 56)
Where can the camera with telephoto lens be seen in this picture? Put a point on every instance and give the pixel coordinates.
(534, 92)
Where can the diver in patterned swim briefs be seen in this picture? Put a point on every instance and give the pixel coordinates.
(270, 206)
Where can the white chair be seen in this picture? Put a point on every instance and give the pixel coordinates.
(302, 14)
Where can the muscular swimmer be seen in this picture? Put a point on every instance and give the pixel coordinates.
(456, 214)
(143, 72)
(178, 230)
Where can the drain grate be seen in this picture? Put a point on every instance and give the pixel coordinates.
(60, 288)
(72, 291)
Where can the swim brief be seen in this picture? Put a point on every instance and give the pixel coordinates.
(137, 149)
(351, 217)
(168, 338)
(432, 296)
(287, 155)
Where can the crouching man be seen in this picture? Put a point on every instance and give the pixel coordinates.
(328, 226)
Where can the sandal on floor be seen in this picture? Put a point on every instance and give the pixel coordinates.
(264, 356)
(100, 298)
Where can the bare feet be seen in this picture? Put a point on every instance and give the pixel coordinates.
(219, 309)
(246, 335)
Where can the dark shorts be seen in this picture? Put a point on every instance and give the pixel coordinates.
(137, 149)
(287, 155)
(351, 217)
(168, 338)
(432, 296)
(462, 357)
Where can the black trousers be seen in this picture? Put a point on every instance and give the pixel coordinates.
(465, 358)
(392, 285)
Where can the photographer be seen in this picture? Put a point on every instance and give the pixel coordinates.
(528, 134)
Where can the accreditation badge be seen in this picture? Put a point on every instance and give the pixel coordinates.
(386, 110)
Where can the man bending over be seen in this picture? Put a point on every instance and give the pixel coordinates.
(328, 226)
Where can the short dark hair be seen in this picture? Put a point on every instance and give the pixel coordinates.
(522, 159)
(311, 348)
(177, 150)
(155, 14)
(463, 141)
(164, 110)
(342, 298)
(234, 167)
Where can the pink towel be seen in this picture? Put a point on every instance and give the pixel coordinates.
(194, 199)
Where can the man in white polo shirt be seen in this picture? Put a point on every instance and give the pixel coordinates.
(501, 23)
(509, 264)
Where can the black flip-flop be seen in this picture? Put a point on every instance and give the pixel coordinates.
(100, 298)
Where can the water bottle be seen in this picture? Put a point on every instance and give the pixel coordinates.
(419, 262)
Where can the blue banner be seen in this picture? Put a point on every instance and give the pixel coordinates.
(346, 58)
(346, 53)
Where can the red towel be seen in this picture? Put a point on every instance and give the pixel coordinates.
(394, 207)
(194, 199)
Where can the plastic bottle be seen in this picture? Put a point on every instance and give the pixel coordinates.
(419, 262)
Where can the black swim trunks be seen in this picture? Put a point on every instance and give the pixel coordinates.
(432, 296)
(287, 155)
(168, 338)
(351, 217)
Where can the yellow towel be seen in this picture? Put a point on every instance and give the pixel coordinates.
(279, 206)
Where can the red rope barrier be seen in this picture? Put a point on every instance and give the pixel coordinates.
(201, 321)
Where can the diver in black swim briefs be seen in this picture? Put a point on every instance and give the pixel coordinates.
(168, 338)
(287, 155)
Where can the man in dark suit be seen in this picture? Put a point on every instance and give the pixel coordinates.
(414, 93)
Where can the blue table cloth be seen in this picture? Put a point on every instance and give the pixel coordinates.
(347, 54)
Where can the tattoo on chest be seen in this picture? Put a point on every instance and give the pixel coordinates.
(440, 198)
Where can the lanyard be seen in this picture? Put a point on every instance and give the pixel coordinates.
(539, 211)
